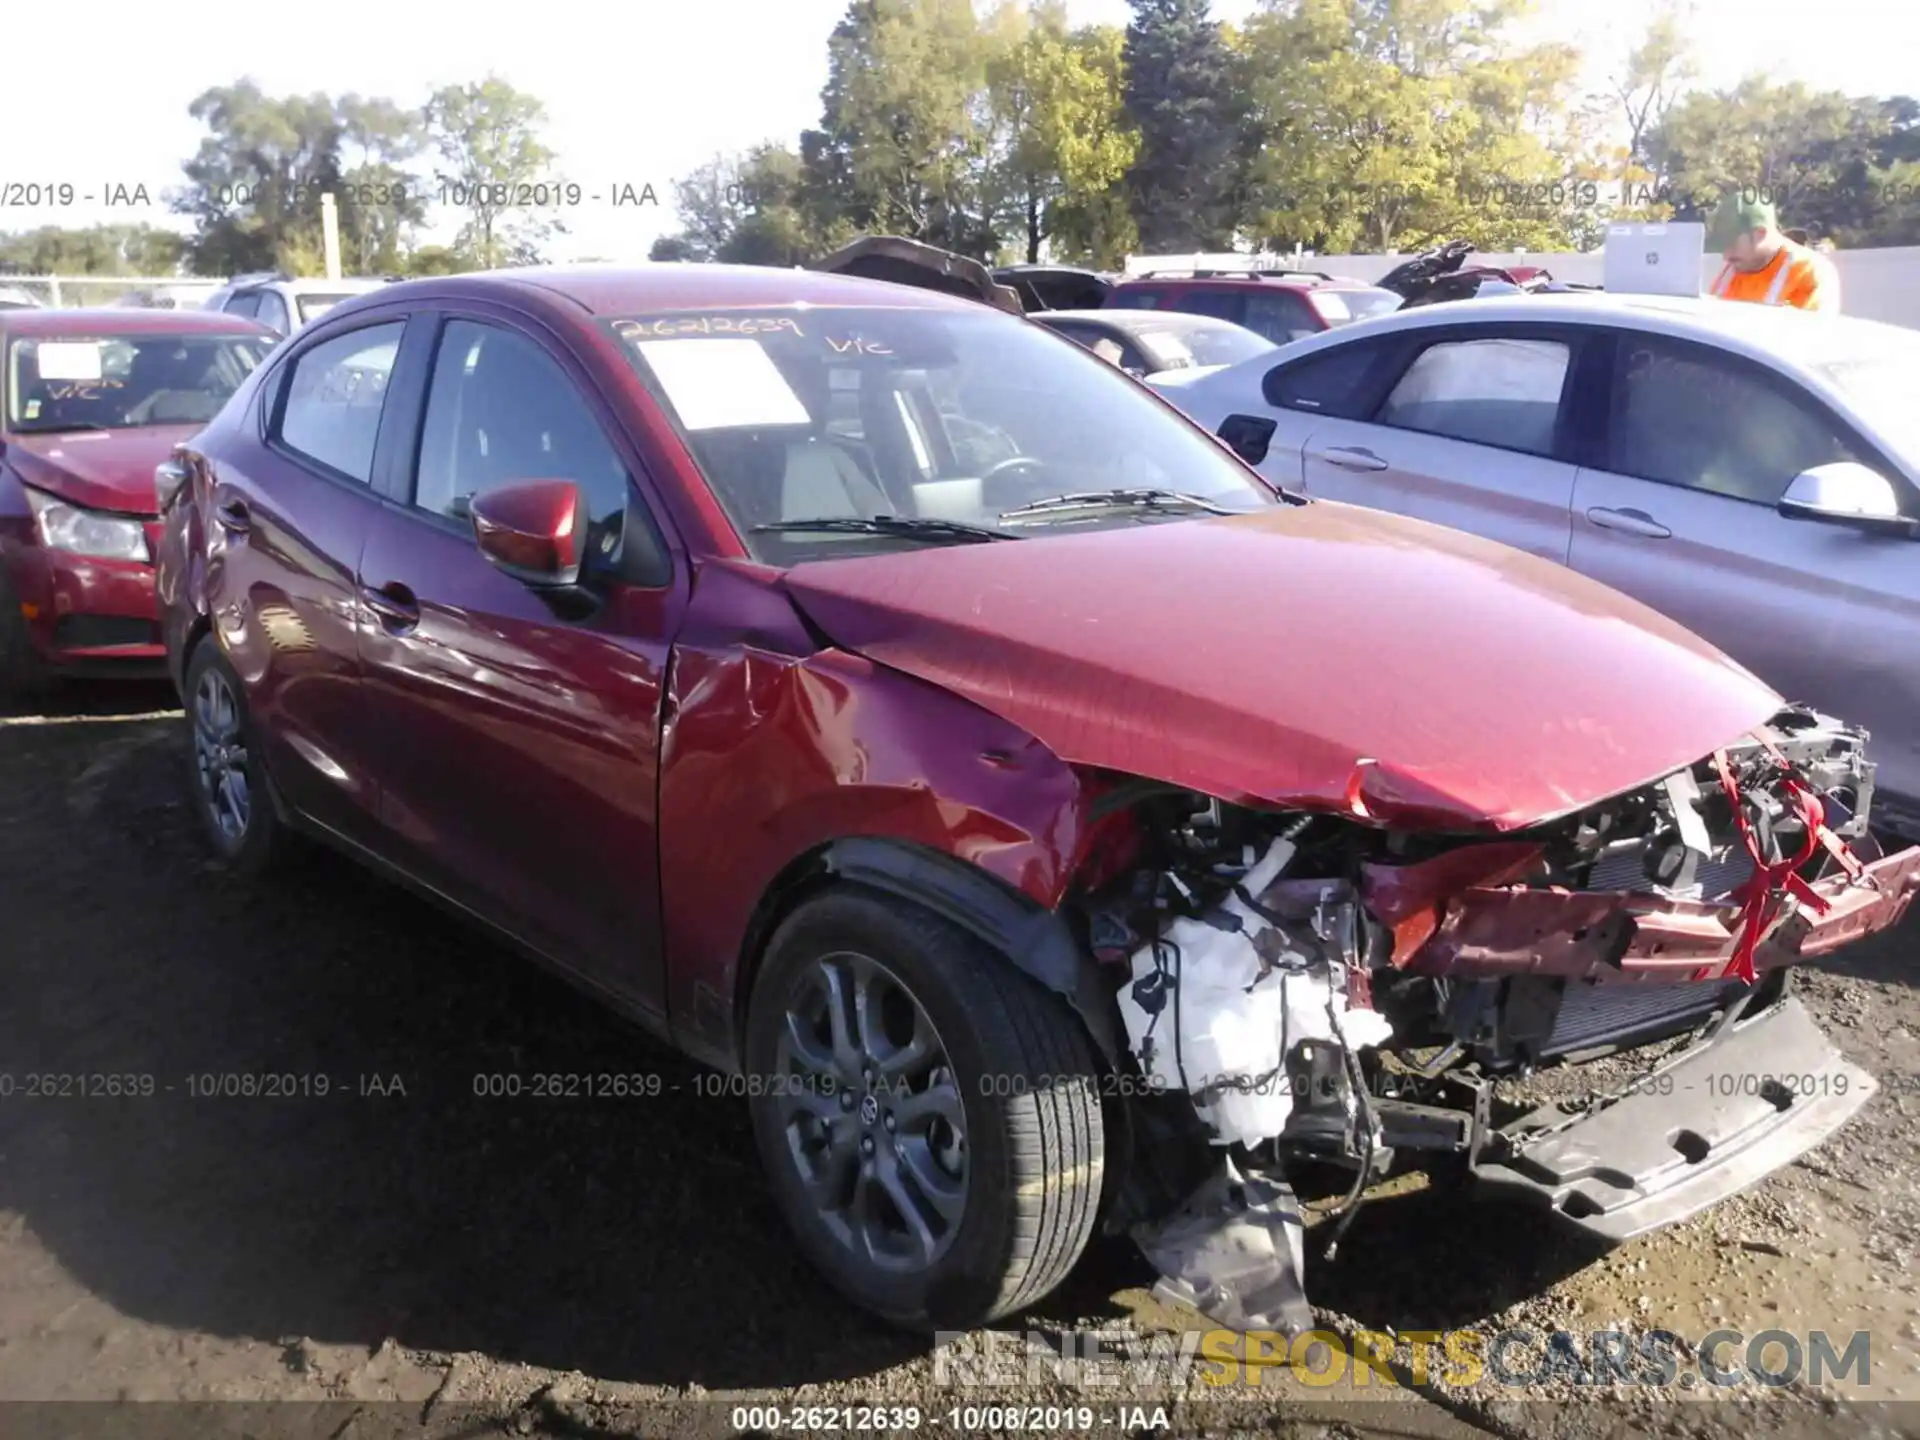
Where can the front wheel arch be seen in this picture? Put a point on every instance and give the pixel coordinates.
(1034, 940)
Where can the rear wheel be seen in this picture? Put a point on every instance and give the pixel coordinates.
(929, 1116)
(224, 769)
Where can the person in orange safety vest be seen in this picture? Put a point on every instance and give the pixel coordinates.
(1762, 264)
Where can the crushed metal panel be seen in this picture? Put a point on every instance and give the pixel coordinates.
(900, 261)
(1721, 1118)
(1234, 1252)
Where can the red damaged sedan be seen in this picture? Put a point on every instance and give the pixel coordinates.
(93, 400)
(880, 697)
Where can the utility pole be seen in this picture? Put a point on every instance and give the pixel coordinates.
(330, 234)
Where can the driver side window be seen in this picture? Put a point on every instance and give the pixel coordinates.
(1684, 416)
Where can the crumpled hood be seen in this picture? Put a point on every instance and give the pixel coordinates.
(100, 469)
(1316, 656)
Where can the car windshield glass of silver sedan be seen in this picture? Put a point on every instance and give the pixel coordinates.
(942, 419)
(1217, 344)
(1343, 307)
(116, 382)
(1885, 388)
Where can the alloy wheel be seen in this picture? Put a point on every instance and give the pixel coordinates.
(872, 1113)
(220, 755)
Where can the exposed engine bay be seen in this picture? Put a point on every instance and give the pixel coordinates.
(1315, 987)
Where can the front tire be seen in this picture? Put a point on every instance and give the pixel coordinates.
(225, 776)
(929, 1116)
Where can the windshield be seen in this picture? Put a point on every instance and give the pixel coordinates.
(1885, 389)
(1198, 344)
(312, 307)
(1343, 307)
(116, 382)
(949, 415)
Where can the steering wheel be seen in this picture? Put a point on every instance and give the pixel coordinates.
(1007, 468)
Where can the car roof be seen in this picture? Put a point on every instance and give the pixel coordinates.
(1137, 320)
(613, 291)
(1286, 279)
(127, 320)
(1777, 331)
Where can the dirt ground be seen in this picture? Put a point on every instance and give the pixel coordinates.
(406, 1257)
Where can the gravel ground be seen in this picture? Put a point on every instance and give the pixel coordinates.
(406, 1257)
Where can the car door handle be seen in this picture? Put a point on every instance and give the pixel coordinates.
(1351, 457)
(1634, 522)
(233, 515)
(395, 604)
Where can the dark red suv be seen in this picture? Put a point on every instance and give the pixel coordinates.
(1282, 305)
(1048, 824)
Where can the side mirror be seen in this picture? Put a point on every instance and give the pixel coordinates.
(533, 530)
(1847, 493)
(1248, 436)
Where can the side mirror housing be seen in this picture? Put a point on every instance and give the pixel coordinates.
(1847, 493)
(533, 530)
(1248, 436)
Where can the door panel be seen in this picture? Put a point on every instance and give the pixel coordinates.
(519, 750)
(1678, 510)
(286, 535)
(1824, 614)
(519, 734)
(1519, 500)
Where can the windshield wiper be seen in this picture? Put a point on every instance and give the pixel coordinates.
(62, 427)
(1141, 499)
(910, 527)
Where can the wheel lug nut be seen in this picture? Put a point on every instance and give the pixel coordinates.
(846, 1100)
(889, 1124)
(866, 1145)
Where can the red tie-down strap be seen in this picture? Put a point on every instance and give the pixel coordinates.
(1764, 890)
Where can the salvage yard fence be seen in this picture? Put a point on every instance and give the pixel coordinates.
(164, 292)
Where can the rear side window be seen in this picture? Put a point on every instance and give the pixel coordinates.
(1334, 382)
(1282, 316)
(1503, 392)
(247, 302)
(273, 311)
(1221, 304)
(1132, 297)
(331, 409)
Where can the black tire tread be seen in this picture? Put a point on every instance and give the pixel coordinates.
(1053, 1124)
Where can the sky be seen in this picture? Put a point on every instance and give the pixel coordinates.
(638, 93)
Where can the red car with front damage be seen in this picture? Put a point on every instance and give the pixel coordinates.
(883, 699)
(90, 402)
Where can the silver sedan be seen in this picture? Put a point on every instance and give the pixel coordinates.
(1752, 471)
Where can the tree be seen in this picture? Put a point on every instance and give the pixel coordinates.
(436, 260)
(1402, 123)
(253, 187)
(900, 146)
(747, 209)
(1059, 140)
(1837, 165)
(673, 247)
(1184, 182)
(487, 135)
(1657, 71)
(380, 200)
(95, 250)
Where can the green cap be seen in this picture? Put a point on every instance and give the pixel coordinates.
(1738, 213)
